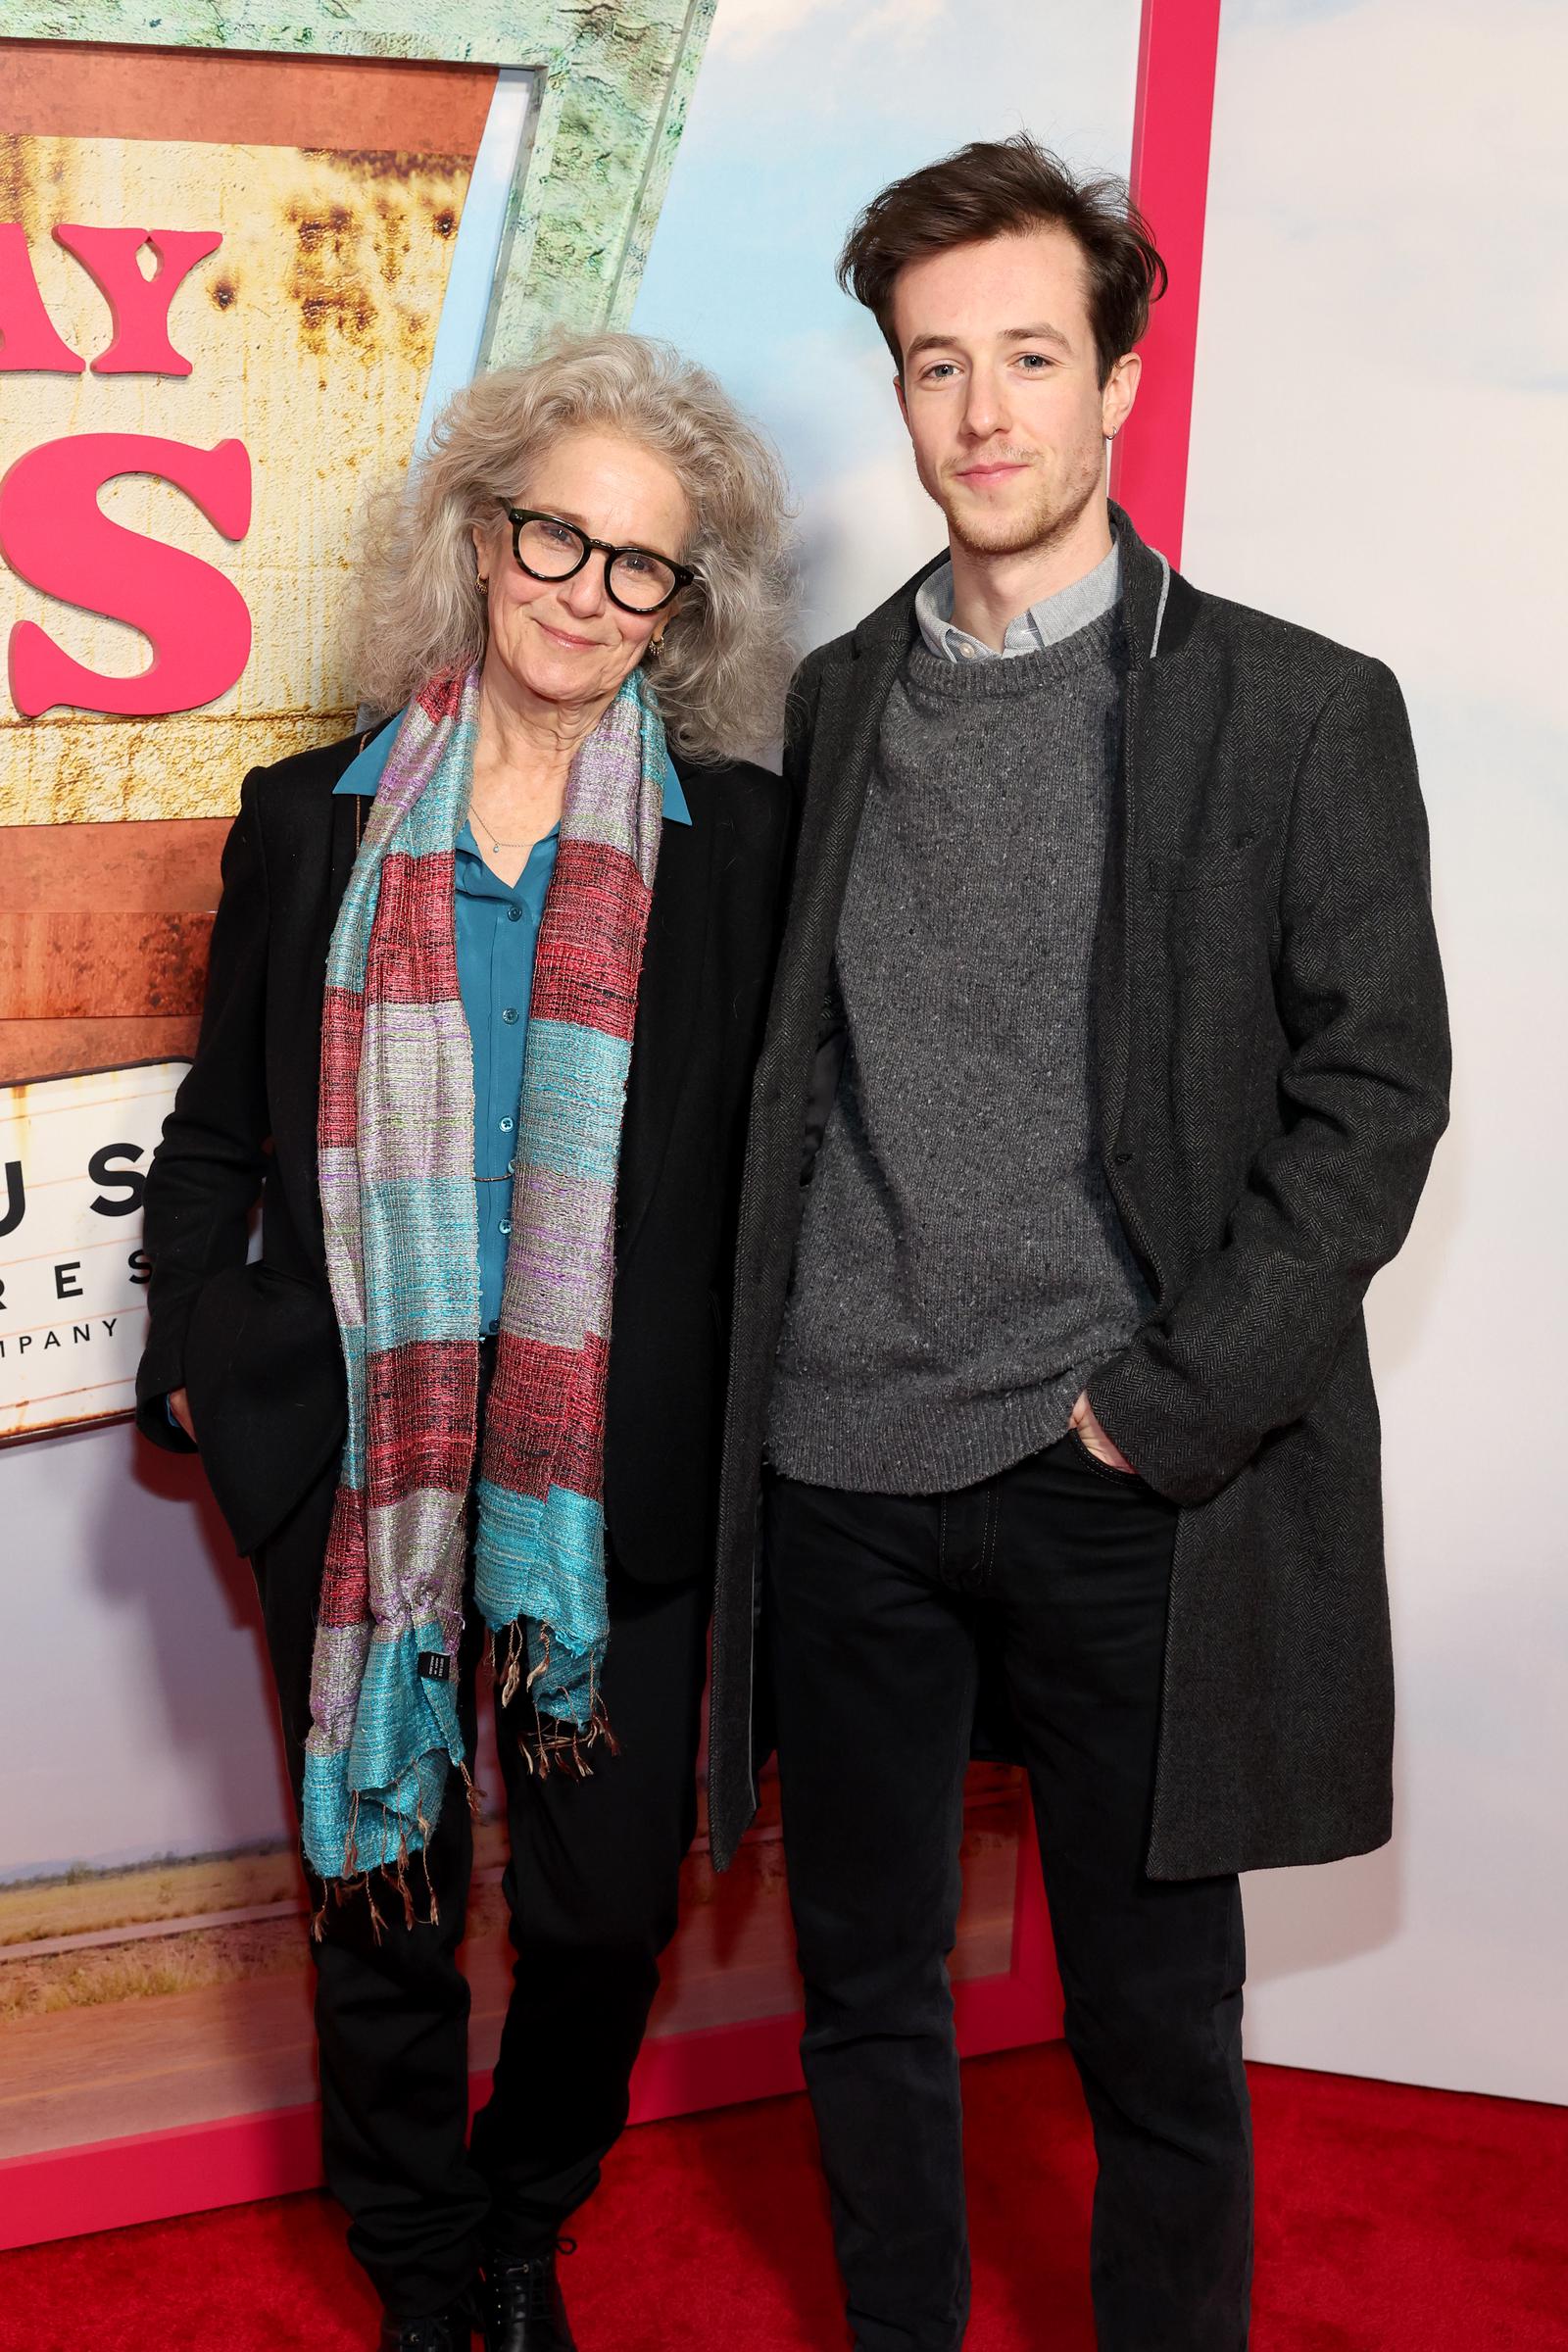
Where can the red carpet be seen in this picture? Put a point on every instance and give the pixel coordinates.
(1389, 2219)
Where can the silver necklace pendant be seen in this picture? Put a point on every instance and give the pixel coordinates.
(496, 843)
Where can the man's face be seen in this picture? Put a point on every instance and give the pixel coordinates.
(1001, 391)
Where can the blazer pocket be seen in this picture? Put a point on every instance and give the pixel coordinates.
(263, 1370)
(1212, 866)
(1209, 904)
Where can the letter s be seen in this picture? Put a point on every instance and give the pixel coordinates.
(53, 533)
(102, 1171)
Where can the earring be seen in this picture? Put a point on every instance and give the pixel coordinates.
(654, 644)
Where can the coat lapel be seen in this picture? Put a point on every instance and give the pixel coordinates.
(855, 684)
(1112, 967)
(1157, 605)
(669, 994)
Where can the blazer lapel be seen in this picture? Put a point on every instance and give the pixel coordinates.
(668, 994)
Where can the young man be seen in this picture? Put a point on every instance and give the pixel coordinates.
(1109, 1027)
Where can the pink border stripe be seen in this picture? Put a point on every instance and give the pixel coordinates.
(238, 2160)
(153, 2175)
(1172, 127)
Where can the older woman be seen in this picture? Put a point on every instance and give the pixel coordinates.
(484, 997)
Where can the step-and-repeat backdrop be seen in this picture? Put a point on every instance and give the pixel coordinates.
(233, 290)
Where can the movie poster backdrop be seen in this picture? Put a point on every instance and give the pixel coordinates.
(235, 284)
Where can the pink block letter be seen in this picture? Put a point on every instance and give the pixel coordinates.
(54, 535)
(140, 306)
(27, 338)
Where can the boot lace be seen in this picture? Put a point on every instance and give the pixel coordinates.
(425, 2336)
(522, 2288)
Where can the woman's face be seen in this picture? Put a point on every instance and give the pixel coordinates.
(564, 642)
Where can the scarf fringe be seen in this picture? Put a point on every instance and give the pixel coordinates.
(551, 1746)
(506, 1660)
(562, 1748)
(397, 1875)
(337, 1894)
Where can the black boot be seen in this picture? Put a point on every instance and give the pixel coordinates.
(524, 2307)
(450, 2330)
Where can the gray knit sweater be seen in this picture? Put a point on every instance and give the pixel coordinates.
(962, 1270)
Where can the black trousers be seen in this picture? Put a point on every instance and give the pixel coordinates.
(880, 1608)
(592, 1889)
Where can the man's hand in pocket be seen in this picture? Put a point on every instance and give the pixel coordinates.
(179, 1406)
(1091, 1435)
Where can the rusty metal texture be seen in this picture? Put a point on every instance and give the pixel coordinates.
(84, 964)
(310, 332)
(107, 1042)
(63, 967)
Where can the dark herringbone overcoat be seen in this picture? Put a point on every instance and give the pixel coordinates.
(1272, 1055)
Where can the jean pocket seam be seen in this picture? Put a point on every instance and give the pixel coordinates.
(1120, 1478)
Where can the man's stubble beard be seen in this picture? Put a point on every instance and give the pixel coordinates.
(1042, 523)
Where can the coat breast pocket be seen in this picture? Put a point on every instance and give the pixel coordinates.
(1211, 908)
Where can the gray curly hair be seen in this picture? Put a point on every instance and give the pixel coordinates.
(726, 656)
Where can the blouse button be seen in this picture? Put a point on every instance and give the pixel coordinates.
(509, 1013)
(505, 1224)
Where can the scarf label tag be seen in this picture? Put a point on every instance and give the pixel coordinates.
(434, 1666)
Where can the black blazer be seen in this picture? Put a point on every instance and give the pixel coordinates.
(255, 1344)
(1271, 1050)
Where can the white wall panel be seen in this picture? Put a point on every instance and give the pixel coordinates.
(1379, 421)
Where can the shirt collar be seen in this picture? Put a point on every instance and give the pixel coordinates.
(1054, 618)
(363, 774)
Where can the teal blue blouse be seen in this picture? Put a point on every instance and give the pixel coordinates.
(497, 933)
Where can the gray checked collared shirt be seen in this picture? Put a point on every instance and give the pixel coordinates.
(1047, 623)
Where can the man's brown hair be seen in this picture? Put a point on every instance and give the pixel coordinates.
(1002, 188)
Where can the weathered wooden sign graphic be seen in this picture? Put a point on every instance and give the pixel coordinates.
(191, 468)
(73, 1154)
(239, 261)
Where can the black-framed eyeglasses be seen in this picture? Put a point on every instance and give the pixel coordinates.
(635, 578)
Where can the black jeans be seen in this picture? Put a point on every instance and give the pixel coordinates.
(592, 1887)
(879, 1604)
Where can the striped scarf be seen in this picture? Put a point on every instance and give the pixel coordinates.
(396, 1159)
